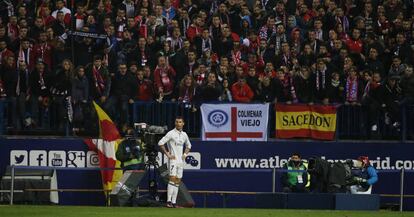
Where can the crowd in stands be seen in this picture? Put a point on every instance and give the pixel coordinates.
(54, 54)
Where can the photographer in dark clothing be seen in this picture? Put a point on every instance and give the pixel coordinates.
(295, 181)
(130, 152)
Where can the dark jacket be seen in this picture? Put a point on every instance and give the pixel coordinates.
(61, 85)
(9, 77)
(80, 89)
(304, 89)
(124, 85)
(39, 87)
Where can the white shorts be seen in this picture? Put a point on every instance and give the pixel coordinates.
(175, 169)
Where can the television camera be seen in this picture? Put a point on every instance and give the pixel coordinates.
(332, 177)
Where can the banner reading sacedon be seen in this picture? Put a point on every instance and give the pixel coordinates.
(305, 121)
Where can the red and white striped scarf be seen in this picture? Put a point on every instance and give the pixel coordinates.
(351, 89)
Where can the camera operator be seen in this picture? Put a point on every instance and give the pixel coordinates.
(295, 181)
(130, 152)
(176, 139)
(364, 178)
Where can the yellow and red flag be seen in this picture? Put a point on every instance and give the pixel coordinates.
(106, 146)
(305, 121)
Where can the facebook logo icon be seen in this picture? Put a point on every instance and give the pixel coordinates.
(38, 158)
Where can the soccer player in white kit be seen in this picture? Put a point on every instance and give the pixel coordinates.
(175, 139)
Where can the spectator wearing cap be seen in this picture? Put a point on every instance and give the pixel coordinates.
(241, 91)
(364, 177)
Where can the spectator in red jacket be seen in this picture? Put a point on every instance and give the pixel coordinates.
(164, 77)
(145, 90)
(44, 50)
(194, 29)
(241, 91)
(354, 43)
(4, 51)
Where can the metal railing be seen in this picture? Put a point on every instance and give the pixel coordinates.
(352, 121)
(401, 194)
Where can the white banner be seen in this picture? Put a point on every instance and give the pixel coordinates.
(235, 122)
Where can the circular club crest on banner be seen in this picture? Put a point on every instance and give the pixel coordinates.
(218, 118)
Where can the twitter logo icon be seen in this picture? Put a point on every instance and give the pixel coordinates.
(19, 157)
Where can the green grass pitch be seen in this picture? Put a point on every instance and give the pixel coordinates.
(89, 211)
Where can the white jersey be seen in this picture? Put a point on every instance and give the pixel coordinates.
(175, 142)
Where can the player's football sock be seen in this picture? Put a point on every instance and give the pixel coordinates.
(170, 190)
(174, 194)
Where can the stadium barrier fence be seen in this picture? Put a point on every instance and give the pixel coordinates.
(352, 121)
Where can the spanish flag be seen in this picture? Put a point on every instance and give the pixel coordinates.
(106, 146)
(305, 121)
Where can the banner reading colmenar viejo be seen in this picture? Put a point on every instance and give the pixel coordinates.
(305, 121)
(235, 122)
